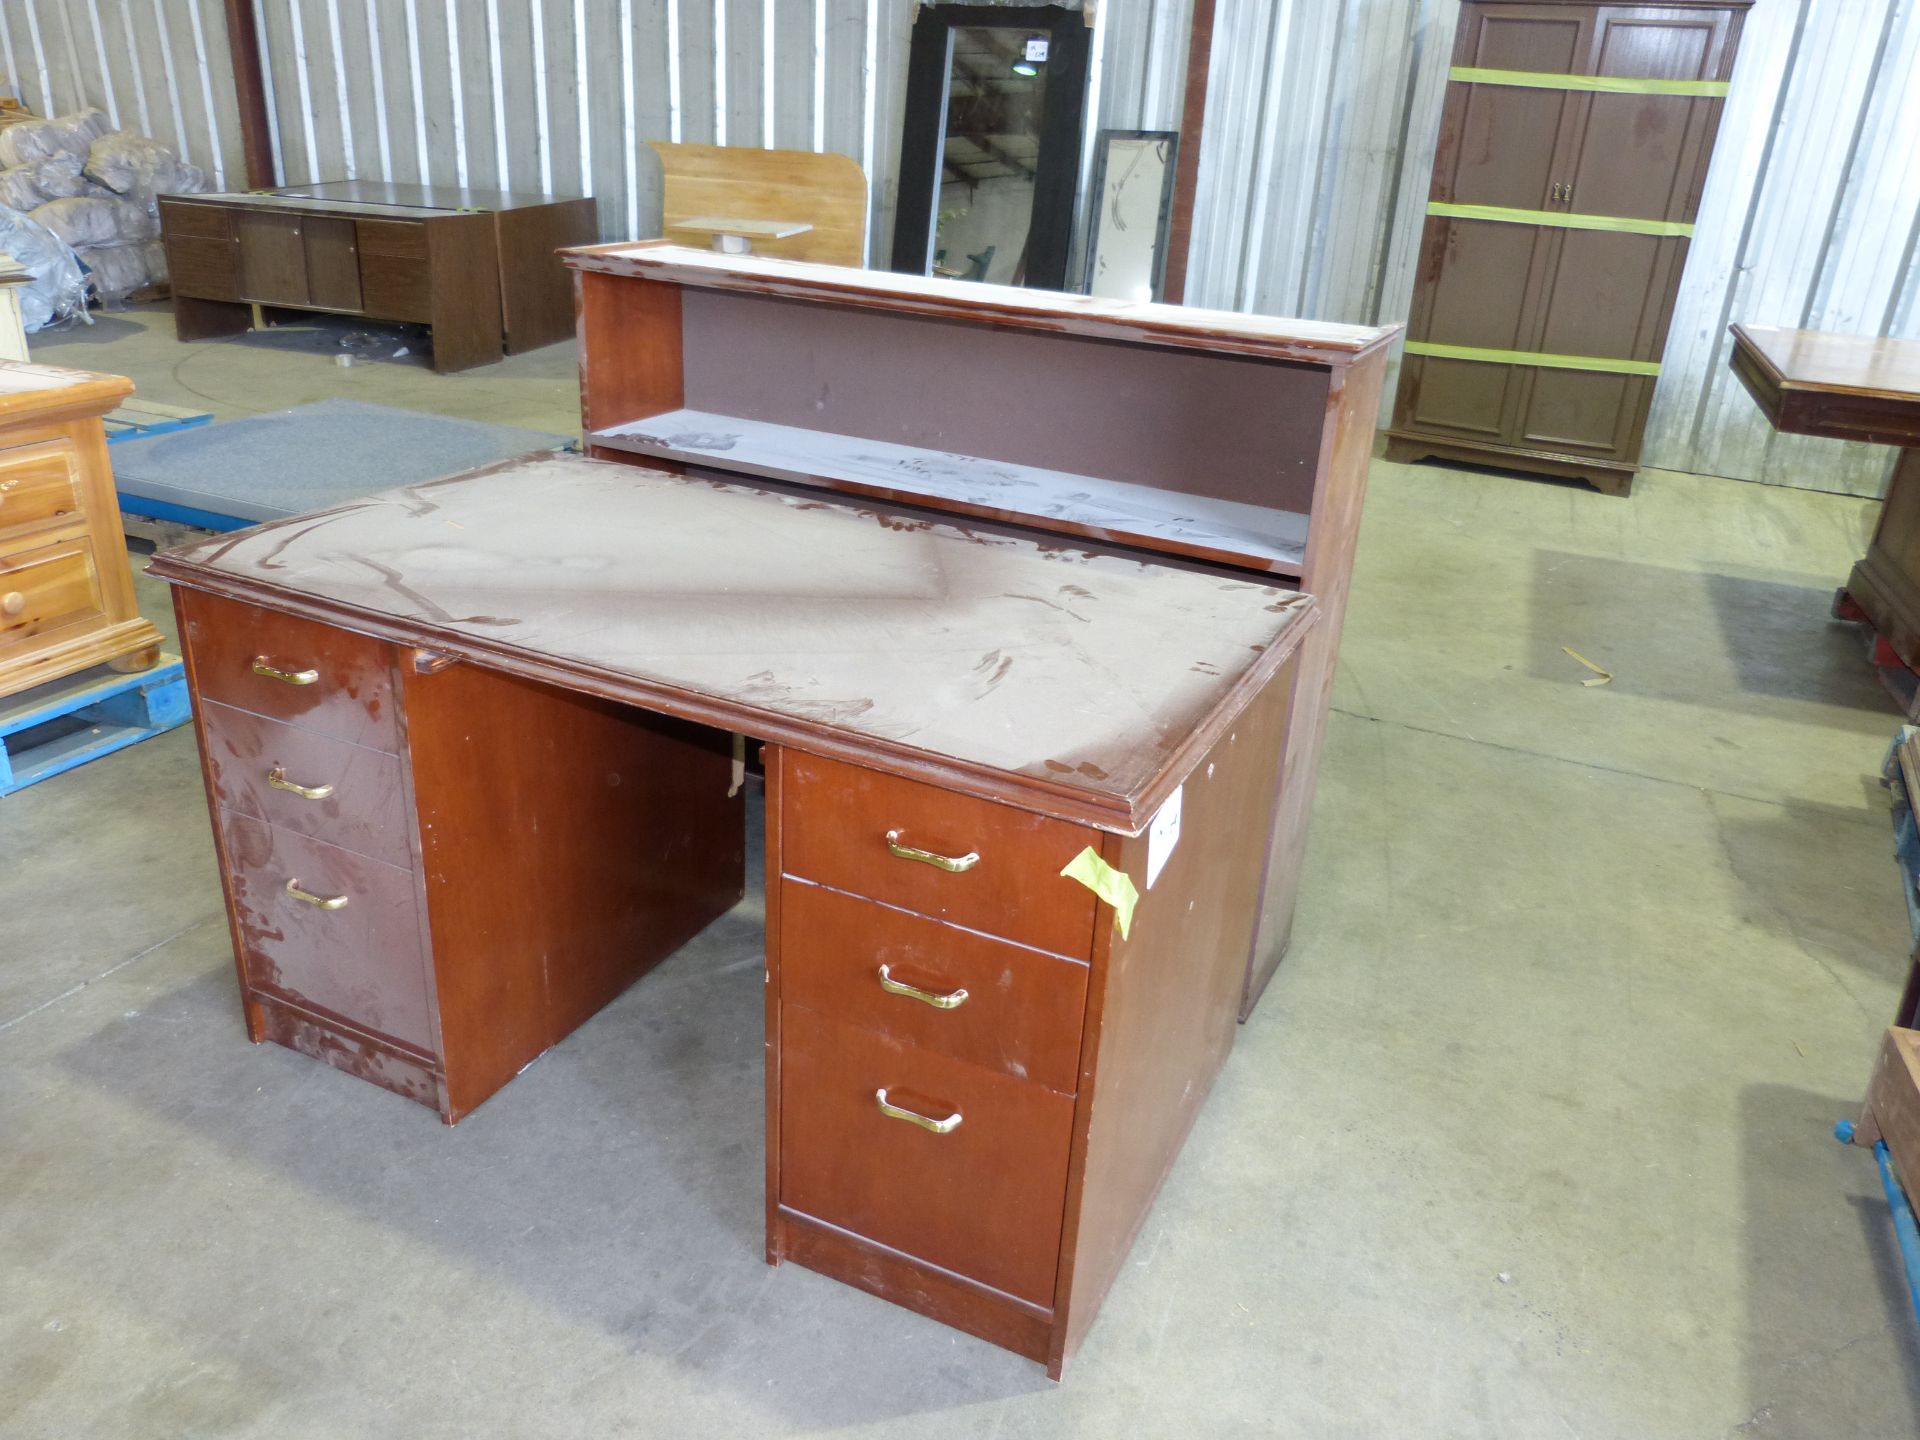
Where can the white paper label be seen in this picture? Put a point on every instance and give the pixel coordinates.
(1163, 833)
(1036, 47)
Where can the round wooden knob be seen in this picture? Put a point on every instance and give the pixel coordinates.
(12, 603)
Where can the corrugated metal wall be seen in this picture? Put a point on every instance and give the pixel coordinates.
(1321, 121)
(158, 66)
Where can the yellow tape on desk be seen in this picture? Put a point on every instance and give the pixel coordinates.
(1602, 363)
(1604, 84)
(1560, 219)
(1116, 887)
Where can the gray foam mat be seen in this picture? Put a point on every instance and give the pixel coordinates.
(288, 462)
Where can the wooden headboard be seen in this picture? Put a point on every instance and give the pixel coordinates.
(828, 192)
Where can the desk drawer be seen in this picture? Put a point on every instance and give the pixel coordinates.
(39, 487)
(402, 239)
(394, 288)
(206, 222)
(361, 961)
(1018, 1011)
(322, 788)
(47, 590)
(984, 1200)
(835, 823)
(349, 696)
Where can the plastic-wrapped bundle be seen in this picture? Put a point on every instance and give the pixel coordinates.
(30, 140)
(139, 168)
(85, 222)
(58, 290)
(116, 270)
(59, 177)
(18, 190)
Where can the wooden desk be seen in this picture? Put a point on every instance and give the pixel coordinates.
(467, 751)
(66, 594)
(478, 267)
(1850, 387)
(1177, 436)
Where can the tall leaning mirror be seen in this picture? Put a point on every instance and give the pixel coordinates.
(1132, 191)
(990, 152)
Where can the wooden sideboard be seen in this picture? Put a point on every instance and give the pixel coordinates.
(1853, 387)
(66, 592)
(468, 755)
(477, 267)
(1234, 444)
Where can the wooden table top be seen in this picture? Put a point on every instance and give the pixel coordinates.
(1848, 387)
(1083, 686)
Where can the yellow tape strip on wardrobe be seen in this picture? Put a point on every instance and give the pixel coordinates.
(1560, 219)
(1533, 357)
(1605, 84)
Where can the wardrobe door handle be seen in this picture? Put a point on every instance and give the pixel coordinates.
(952, 1000)
(954, 864)
(277, 778)
(334, 902)
(264, 666)
(938, 1127)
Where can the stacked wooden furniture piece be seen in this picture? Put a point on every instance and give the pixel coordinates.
(66, 592)
(1573, 152)
(796, 204)
(1032, 683)
(477, 267)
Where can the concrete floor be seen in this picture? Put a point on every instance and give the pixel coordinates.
(1529, 1138)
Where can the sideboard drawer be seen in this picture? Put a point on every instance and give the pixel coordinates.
(308, 674)
(207, 222)
(402, 239)
(937, 986)
(877, 835)
(353, 949)
(39, 487)
(984, 1200)
(346, 795)
(46, 590)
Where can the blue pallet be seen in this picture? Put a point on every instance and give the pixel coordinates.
(53, 727)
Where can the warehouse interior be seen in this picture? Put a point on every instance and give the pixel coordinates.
(1523, 1122)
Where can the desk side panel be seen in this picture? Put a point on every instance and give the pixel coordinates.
(630, 349)
(463, 291)
(1346, 452)
(1163, 1001)
(568, 844)
(536, 290)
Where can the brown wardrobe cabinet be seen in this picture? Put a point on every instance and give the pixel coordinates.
(1586, 130)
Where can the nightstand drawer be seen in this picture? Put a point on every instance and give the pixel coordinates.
(329, 929)
(39, 487)
(921, 982)
(985, 1199)
(976, 863)
(312, 675)
(323, 788)
(46, 590)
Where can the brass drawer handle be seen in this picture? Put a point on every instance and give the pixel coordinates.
(277, 778)
(952, 1000)
(332, 902)
(263, 666)
(954, 863)
(938, 1127)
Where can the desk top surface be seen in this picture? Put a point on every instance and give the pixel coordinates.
(1265, 336)
(1818, 360)
(1080, 685)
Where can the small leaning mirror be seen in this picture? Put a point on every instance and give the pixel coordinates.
(1133, 201)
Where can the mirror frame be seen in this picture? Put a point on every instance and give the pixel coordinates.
(1056, 180)
(1102, 147)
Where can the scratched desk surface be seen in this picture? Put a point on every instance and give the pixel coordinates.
(1078, 684)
